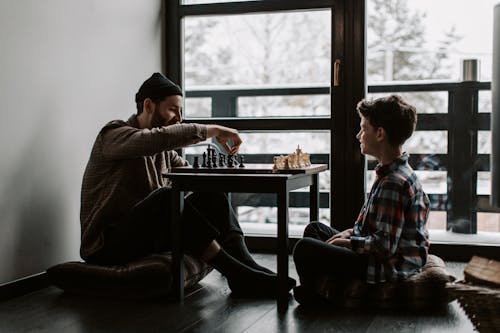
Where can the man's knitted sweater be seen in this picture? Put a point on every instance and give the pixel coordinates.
(126, 164)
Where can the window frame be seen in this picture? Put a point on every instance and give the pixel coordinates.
(348, 46)
(348, 38)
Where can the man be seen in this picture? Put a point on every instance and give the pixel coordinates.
(389, 240)
(125, 199)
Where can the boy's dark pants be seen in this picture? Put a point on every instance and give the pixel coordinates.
(315, 258)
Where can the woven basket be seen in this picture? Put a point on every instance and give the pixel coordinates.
(479, 294)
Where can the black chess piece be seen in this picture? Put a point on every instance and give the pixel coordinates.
(241, 162)
(209, 163)
(196, 165)
(204, 164)
(208, 154)
(222, 160)
(214, 158)
(230, 161)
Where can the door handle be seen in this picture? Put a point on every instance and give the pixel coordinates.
(336, 73)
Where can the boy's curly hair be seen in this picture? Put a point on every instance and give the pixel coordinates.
(393, 114)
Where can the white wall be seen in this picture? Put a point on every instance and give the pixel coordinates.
(66, 68)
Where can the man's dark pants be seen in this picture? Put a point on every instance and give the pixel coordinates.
(207, 216)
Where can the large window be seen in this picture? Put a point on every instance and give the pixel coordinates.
(259, 65)
(265, 68)
(416, 51)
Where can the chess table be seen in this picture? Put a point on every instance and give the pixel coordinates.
(253, 178)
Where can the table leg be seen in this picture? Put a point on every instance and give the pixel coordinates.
(177, 255)
(314, 199)
(283, 200)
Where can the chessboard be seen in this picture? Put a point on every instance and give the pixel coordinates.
(249, 168)
(213, 161)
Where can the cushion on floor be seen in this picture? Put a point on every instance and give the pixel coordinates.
(420, 291)
(148, 277)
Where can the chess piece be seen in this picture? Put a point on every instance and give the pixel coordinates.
(222, 160)
(209, 153)
(230, 161)
(204, 164)
(296, 160)
(241, 162)
(209, 163)
(196, 165)
(214, 158)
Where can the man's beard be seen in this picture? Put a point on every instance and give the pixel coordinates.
(158, 120)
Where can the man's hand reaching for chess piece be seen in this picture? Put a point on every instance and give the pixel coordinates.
(224, 135)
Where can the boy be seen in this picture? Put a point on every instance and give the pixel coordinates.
(389, 239)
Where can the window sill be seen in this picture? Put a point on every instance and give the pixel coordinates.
(481, 238)
(436, 236)
(261, 237)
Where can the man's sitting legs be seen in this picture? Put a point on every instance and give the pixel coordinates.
(216, 210)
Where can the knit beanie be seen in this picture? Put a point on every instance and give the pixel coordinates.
(157, 87)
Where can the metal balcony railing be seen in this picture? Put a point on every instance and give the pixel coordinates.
(462, 121)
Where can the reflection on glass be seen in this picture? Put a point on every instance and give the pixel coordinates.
(284, 106)
(258, 49)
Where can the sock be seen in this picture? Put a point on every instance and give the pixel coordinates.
(244, 280)
(236, 247)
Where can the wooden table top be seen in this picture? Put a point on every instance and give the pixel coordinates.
(250, 168)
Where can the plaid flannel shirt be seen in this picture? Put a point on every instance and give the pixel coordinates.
(392, 223)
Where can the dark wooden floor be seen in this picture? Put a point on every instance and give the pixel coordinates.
(210, 308)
